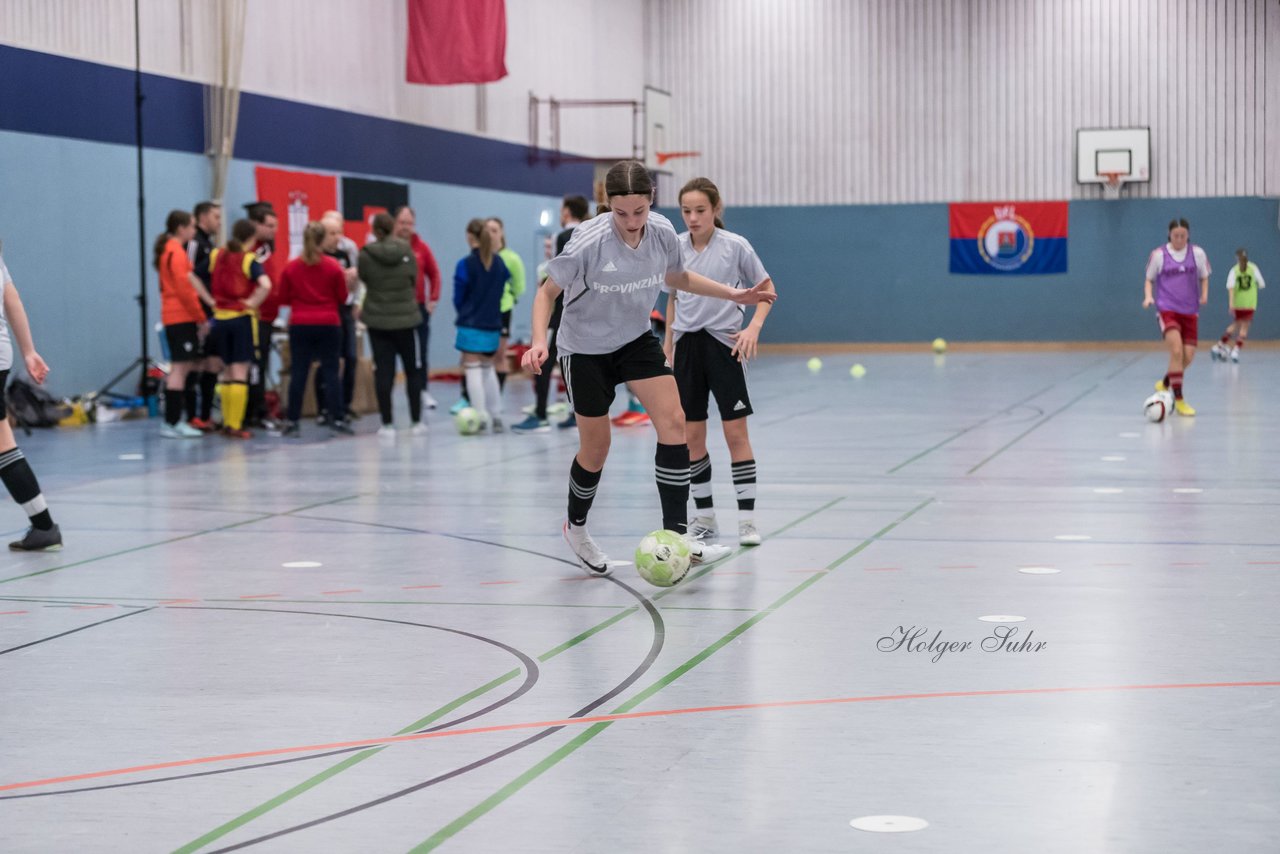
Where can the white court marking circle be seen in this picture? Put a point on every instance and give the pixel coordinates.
(1002, 618)
(301, 564)
(888, 823)
(1038, 570)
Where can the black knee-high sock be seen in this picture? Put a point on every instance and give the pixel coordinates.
(189, 395)
(744, 483)
(173, 405)
(208, 387)
(582, 491)
(21, 482)
(700, 482)
(671, 468)
(502, 379)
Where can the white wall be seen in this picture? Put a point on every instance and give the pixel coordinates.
(351, 55)
(868, 101)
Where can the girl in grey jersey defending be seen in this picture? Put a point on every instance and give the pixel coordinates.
(610, 274)
(709, 346)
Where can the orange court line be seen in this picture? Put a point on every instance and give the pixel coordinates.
(421, 586)
(6, 613)
(491, 583)
(336, 592)
(260, 596)
(660, 713)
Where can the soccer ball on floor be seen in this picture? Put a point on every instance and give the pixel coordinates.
(468, 421)
(662, 558)
(1158, 406)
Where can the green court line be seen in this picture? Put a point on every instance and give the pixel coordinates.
(178, 539)
(993, 416)
(461, 822)
(1043, 421)
(310, 783)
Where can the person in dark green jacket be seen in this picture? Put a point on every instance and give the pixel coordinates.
(390, 312)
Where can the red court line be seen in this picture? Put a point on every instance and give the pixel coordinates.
(421, 586)
(491, 583)
(336, 592)
(7, 613)
(260, 596)
(659, 713)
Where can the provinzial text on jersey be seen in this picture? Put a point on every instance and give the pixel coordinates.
(629, 287)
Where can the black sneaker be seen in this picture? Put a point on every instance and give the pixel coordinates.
(291, 430)
(322, 419)
(352, 415)
(341, 428)
(37, 540)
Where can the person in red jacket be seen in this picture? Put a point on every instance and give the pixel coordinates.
(239, 286)
(315, 288)
(185, 324)
(428, 272)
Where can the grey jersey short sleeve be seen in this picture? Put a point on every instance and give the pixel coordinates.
(610, 288)
(727, 258)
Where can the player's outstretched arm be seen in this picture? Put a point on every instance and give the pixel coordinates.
(702, 286)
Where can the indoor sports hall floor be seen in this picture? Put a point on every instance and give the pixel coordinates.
(223, 654)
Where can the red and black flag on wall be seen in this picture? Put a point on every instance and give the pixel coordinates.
(363, 198)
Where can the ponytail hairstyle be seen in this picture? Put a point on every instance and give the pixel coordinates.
(484, 241)
(1179, 223)
(711, 191)
(241, 233)
(312, 236)
(628, 178)
(175, 221)
(383, 224)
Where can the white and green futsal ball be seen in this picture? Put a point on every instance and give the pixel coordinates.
(662, 558)
(468, 421)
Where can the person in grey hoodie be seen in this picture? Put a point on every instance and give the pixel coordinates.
(389, 271)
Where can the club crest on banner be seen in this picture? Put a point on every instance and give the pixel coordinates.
(1006, 239)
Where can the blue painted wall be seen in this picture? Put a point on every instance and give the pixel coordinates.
(880, 272)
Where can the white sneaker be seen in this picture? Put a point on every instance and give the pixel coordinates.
(186, 431)
(170, 431)
(419, 429)
(1218, 352)
(747, 533)
(704, 552)
(593, 561)
(704, 528)
(428, 401)
(496, 426)
(558, 408)
(386, 431)
(1235, 354)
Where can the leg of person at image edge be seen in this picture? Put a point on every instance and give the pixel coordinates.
(20, 480)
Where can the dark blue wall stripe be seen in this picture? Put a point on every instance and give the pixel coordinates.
(59, 96)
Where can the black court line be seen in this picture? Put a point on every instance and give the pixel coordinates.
(531, 669)
(79, 629)
(659, 637)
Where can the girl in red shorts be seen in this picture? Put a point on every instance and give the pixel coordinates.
(1179, 273)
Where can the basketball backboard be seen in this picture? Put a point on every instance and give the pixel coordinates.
(657, 124)
(1104, 152)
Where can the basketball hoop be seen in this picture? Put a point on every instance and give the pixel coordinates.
(1114, 181)
(664, 156)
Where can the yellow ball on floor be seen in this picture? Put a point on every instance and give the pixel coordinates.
(939, 345)
(857, 372)
(815, 364)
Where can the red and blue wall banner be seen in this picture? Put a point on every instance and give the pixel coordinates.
(1009, 238)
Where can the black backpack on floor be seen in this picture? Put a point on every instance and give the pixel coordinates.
(32, 406)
